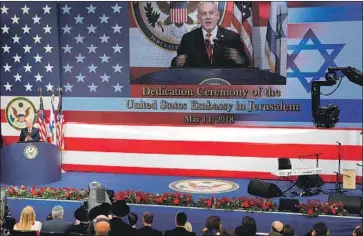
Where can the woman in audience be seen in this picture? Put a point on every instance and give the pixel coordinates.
(27, 221)
(213, 227)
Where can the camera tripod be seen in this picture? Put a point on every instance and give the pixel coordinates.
(338, 186)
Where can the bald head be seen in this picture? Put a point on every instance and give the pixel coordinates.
(277, 226)
(101, 225)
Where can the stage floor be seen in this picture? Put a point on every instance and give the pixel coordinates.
(160, 184)
(339, 226)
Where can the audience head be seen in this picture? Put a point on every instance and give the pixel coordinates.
(214, 223)
(147, 218)
(180, 219)
(288, 230)
(132, 217)
(319, 229)
(57, 212)
(101, 225)
(188, 226)
(208, 15)
(250, 226)
(277, 226)
(27, 218)
(358, 231)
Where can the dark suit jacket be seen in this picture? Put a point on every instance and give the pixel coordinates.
(148, 231)
(55, 226)
(178, 231)
(119, 227)
(35, 135)
(80, 229)
(193, 45)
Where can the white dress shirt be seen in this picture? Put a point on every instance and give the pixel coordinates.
(214, 34)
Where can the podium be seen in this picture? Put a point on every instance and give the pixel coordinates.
(211, 76)
(32, 163)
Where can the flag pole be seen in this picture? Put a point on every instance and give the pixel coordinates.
(61, 149)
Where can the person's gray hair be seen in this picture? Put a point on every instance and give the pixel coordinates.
(57, 212)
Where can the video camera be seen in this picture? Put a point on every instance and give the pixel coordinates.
(6, 221)
(327, 117)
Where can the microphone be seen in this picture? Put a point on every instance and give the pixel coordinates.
(206, 42)
(215, 42)
(338, 143)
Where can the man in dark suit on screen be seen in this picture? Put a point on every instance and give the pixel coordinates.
(29, 133)
(210, 45)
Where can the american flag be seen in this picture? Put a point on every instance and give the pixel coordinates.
(29, 43)
(179, 12)
(95, 51)
(60, 123)
(242, 22)
(102, 136)
(41, 120)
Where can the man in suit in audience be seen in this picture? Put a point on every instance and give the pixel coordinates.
(277, 226)
(179, 230)
(118, 226)
(29, 133)
(358, 231)
(132, 217)
(57, 224)
(81, 225)
(210, 45)
(147, 220)
(101, 225)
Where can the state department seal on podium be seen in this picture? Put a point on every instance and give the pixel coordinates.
(31, 152)
(214, 81)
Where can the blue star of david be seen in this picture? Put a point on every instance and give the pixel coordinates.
(317, 45)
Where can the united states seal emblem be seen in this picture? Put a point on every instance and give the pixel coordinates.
(31, 152)
(18, 110)
(165, 23)
(204, 186)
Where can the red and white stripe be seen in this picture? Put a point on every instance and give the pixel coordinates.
(179, 15)
(42, 123)
(60, 133)
(201, 151)
(244, 29)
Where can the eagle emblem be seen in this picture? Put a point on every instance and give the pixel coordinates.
(31, 152)
(204, 186)
(165, 23)
(18, 110)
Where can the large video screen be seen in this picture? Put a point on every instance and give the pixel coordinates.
(289, 46)
(183, 63)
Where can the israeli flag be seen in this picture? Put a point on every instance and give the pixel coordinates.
(52, 122)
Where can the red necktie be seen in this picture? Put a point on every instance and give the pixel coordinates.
(208, 46)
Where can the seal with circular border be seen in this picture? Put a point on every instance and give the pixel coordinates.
(204, 186)
(31, 152)
(154, 19)
(19, 109)
(214, 81)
